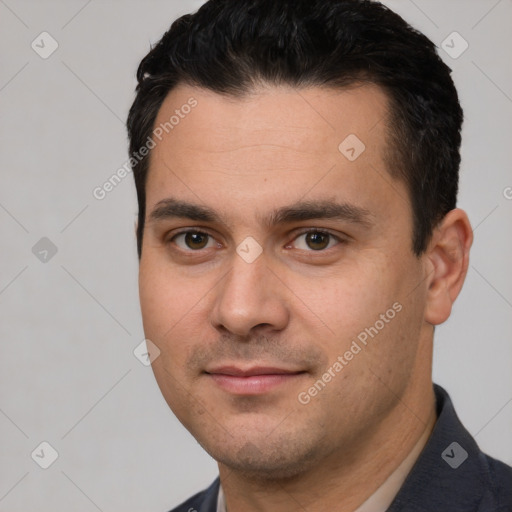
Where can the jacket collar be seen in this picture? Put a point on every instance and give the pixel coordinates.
(451, 472)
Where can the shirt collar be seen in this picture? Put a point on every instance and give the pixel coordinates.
(221, 502)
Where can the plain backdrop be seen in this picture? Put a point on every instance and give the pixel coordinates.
(70, 317)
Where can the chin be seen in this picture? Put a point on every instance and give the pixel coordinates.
(259, 458)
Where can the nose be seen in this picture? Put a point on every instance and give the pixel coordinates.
(250, 298)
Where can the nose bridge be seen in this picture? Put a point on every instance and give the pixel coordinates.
(249, 296)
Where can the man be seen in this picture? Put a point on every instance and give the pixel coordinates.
(296, 165)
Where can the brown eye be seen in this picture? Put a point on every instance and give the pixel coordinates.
(317, 241)
(193, 240)
(196, 240)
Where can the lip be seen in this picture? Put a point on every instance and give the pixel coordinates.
(256, 380)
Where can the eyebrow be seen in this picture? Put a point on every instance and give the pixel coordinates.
(303, 210)
(174, 208)
(325, 209)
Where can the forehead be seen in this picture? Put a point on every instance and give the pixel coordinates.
(272, 146)
(264, 112)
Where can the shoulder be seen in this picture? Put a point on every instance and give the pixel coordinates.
(204, 501)
(192, 504)
(452, 473)
(499, 483)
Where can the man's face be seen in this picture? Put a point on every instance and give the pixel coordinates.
(274, 248)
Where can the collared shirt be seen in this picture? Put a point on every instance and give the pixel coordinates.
(451, 474)
(221, 501)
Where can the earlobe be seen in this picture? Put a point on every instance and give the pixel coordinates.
(448, 257)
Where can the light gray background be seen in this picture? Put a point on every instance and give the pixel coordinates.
(69, 326)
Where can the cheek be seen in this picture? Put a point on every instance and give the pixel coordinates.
(163, 302)
(156, 301)
(367, 300)
(165, 297)
(174, 312)
(167, 315)
(349, 298)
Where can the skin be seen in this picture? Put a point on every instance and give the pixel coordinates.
(302, 302)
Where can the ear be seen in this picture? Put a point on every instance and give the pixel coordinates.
(448, 259)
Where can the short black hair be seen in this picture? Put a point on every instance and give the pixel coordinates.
(229, 46)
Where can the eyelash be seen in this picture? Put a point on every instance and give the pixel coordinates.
(301, 233)
(331, 236)
(187, 231)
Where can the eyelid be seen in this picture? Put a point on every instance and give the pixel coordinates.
(189, 229)
(339, 240)
(324, 231)
(183, 231)
(314, 229)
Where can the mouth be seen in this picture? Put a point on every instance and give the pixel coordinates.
(252, 381)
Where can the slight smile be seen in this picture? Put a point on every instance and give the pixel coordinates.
(251, 381)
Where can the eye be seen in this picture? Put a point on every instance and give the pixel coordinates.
(193, 240)
(315, 240)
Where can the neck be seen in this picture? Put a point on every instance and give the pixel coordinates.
(345, 480)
